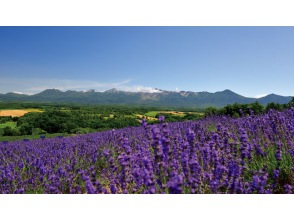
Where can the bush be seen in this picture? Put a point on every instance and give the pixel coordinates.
(1, 132)
(81, 130)
(210, 111)
(38, 131)
(8, 131)
(26, 129)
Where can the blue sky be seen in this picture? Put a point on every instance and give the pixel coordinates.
(252, 61)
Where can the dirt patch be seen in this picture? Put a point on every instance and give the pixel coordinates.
(147, 117)
(174, 113)
(181, 113)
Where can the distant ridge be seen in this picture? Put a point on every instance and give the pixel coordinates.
(158, 98)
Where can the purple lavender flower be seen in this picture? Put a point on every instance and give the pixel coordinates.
(113, 189)
(288, 189)
(19, 191)
(276, 173)
(143, 122)
(161, 118)
(278, 154)
(255, 182)
(175, 183)
(90, 188)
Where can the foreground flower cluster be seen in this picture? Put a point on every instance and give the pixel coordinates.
(252, 154)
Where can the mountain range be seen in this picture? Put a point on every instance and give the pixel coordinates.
(160, 98)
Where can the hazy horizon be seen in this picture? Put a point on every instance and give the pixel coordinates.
(251, 61)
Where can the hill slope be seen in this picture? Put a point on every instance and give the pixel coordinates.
(160, 98)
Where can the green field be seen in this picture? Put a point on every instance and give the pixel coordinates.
(9, 124)
(152, 113)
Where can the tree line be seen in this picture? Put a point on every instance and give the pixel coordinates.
(57, 121)
(238, 110)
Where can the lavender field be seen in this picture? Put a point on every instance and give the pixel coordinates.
(252, 154)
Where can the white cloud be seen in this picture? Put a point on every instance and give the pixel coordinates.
(260, 96)
(21, 93)
(138, 89)
(177, 89)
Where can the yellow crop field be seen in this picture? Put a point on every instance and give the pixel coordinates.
(17, 112)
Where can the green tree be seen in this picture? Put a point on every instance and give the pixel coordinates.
(26, 129)
(274, 106)
(8, 131)
(291, 103)
(257, 108)
(210, 111)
